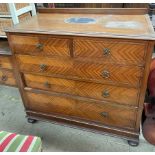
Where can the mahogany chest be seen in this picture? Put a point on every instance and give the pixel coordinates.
(85, 70)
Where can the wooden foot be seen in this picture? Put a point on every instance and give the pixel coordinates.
(133, 143)
(32, 121)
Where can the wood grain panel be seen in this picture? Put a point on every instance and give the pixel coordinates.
(118, 51)
(7, 77)
(103, 11)
(4, 47)
(5, 62)
(101, 5)
(136, 5)
(70, 68)
(40, 45)
(99, 113)
(109, 26)
(127, 96)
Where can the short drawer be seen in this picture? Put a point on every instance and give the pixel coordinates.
(101, 73)
(7, 77)
(40, 45)
(110, 50)
(5, 62)
(107, 114)
(127, 96)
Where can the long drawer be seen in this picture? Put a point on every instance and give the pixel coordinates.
(7, 77)
(106, 114)
(127, 96)
(40, 45)
(5, 62)
(111, 50)
(103, 73)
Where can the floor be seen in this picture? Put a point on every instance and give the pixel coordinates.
(58, 138)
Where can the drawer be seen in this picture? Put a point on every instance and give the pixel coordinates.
(7, 77)
(110, 50)
(40, 45)
(127, 96)
(102, 73)
(95, 112)
(5, 62)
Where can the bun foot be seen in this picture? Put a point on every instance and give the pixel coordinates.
(133, 143)
(32, 121)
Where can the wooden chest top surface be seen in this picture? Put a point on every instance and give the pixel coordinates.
(95, 25)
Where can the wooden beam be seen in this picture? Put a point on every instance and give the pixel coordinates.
(118, 11)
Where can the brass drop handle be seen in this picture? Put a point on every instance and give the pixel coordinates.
(4, 78)
(104, 114)
(106, 51)
(43, 67)
(105, 93)
(47, 84)
(105, 74)
(39, 46)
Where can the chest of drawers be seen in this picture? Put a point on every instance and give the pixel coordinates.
(7, 76)
(85, 75)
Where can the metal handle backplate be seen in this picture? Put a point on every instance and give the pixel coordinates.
(43, 67)
(104, 114)
(39, 46)
(105, 93)
(106, 51)
(4, 78)
(105, 74)
(47, 84)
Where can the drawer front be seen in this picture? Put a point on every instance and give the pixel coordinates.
(109, 50)
(127, 96)
(5, 62)
(40, 45)
(104, 73)
(96, 112)
(7, 77)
